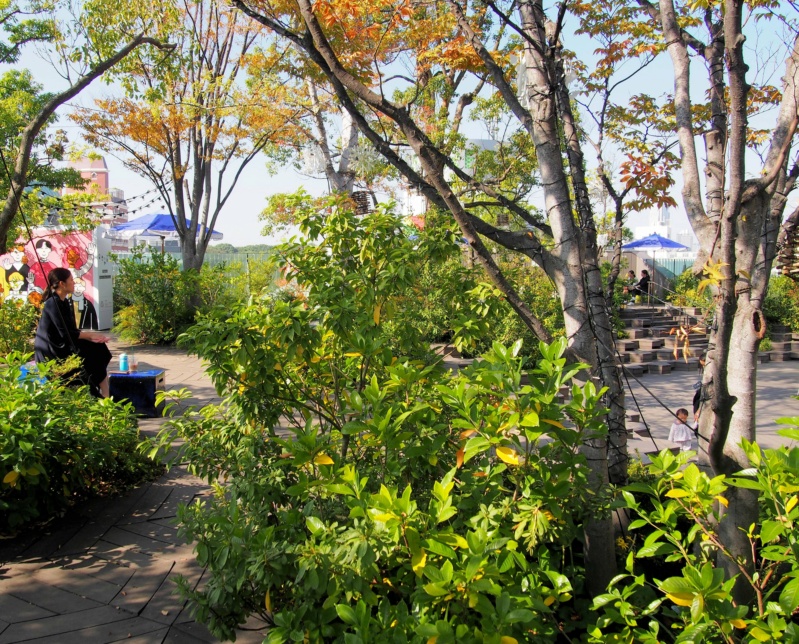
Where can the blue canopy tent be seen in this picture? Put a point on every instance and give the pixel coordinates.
(155, 225)
(654, 243)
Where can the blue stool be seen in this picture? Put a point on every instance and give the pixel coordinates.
(139, 388)
(29, 371)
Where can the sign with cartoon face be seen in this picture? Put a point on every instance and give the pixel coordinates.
(24, 270)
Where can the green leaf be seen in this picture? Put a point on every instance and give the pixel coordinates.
(770, 530)
(315, 525)
(346, 614)
(438, 548)
(789, 597)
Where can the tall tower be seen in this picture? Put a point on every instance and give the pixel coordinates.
(664, 219)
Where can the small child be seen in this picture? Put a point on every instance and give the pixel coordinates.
(682, 432)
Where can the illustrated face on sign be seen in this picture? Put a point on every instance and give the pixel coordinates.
(17, 253)
(15, 282)
(80, 288)
(43, 249)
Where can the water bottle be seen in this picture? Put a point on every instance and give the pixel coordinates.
(123, 362)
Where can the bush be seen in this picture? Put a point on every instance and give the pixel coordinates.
(676, 513)
(17, 324)
(153, 298)
(408, 504)
(478, 315)
(423, 515)
(60, 445)
(782, 302)
(407, 499)
(156, 301)
(686, 292)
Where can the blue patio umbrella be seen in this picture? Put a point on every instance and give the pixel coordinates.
(156, 225)
(654, 242)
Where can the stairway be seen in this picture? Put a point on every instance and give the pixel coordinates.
(650, 343)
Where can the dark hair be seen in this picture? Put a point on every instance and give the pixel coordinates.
(681, 410)
(44, 242)
(54, 278)
(645, 272)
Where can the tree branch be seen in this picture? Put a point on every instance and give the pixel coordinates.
(18, 180)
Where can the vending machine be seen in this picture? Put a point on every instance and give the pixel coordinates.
(24, 270)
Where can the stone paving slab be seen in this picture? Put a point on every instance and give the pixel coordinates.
(14, 610)
(106, 572)
(113, 632)
(61, 625)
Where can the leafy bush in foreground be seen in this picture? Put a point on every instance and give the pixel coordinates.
(59, 445)
(365, 497)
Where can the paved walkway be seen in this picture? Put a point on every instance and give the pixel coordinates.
(777, 382)
(105, 573)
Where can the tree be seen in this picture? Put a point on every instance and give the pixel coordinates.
(358, 47)
(191, 125)
(738, 221)
(37, 110)
(437, 47)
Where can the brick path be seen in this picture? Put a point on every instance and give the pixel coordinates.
(105, 574)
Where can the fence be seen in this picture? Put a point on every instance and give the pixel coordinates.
(211, 259)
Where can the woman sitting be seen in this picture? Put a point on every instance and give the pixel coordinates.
(642, 287)
(58, 336)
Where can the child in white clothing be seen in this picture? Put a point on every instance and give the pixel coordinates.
(682, 432)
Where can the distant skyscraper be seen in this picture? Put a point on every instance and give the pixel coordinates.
(664, 216)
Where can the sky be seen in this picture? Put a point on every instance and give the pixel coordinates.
(239, 221)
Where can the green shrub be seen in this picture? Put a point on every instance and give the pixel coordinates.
(17, 324)
(676, 513)
(153, 298)
(155, 301)
(782, 302)
(406, 499)
(59, 445)
(686, 292)
(478, 315)
(365, 497)
(423, 516)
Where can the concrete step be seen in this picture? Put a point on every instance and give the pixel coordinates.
(660, 367)
(780, 356)
(638, 310)
(632, 417)
(782, 346)
(651, 343)
(668, 354)
(637, 333)
(642, 356)
(626, 345)
(681, 365)
(634, 369)
(782, 337)
(635, 427)
(763, 357)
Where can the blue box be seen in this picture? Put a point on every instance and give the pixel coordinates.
(139, 388)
